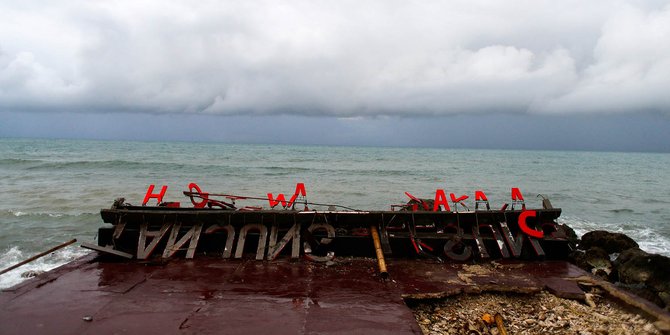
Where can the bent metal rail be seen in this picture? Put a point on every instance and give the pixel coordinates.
(420, 228)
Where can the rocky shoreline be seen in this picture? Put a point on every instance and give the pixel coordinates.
(618, 259)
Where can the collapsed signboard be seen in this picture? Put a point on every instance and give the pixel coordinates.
(421, 228)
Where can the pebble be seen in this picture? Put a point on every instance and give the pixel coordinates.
(549, 315)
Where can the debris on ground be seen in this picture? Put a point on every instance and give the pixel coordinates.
(541, 313)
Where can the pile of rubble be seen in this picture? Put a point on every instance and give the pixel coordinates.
(541, 313)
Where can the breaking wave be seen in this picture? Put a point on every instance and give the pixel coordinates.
(14, 255)
(648, 239)
(23, 215)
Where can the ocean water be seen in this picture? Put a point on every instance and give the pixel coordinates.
(52, 190)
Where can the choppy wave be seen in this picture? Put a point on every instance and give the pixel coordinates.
(622, 210)
(113, 164)
(17, 161)
(22, 214)
(104, 164)
(648, 239)
(14, 255)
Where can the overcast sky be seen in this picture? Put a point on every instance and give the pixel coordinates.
(590, 75)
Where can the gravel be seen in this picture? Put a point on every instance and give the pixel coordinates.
(541, 313)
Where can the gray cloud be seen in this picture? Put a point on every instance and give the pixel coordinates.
(341, 58)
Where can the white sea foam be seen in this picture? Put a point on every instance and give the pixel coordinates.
(651, 241)
(14, 255)
(581, 226)
(19, 213)
(648, 239)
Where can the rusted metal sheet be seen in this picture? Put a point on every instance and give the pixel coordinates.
(209, 295)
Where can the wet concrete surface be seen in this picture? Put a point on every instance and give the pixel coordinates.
(209, 295)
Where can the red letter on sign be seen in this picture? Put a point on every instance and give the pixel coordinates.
(299, 190)
(517, 198)
(440, 199)
(274, 202)
(524, 226)
(459, 199)
(204, 196)
(480, 196)
(150, 195)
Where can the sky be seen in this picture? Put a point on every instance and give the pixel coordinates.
(575, 75)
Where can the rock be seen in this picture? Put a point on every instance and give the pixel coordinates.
(665, 297)
(662, 326)
(31, 273)
(597, 257)
(645, 293)
(627, 254)
(573, 239)
(601, 273)
(610, 242)
(595, 260)
(646, 275)
(649, 269)
(578, 257)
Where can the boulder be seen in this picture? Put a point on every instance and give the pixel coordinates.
(578, 257)
(645, 293)
(597, 257)
(610, 242)
(595, 260)
(652, 271)
(627, 254)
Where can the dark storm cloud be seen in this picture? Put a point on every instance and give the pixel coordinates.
(340, 58)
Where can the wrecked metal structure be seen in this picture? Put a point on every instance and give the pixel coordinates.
(420, 228)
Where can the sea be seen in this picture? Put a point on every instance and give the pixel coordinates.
(52, 190)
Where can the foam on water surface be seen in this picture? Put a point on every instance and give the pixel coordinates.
(14, 255)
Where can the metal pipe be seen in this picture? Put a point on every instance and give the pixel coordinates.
(380, 254)
(38, 256)
(199, 195)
